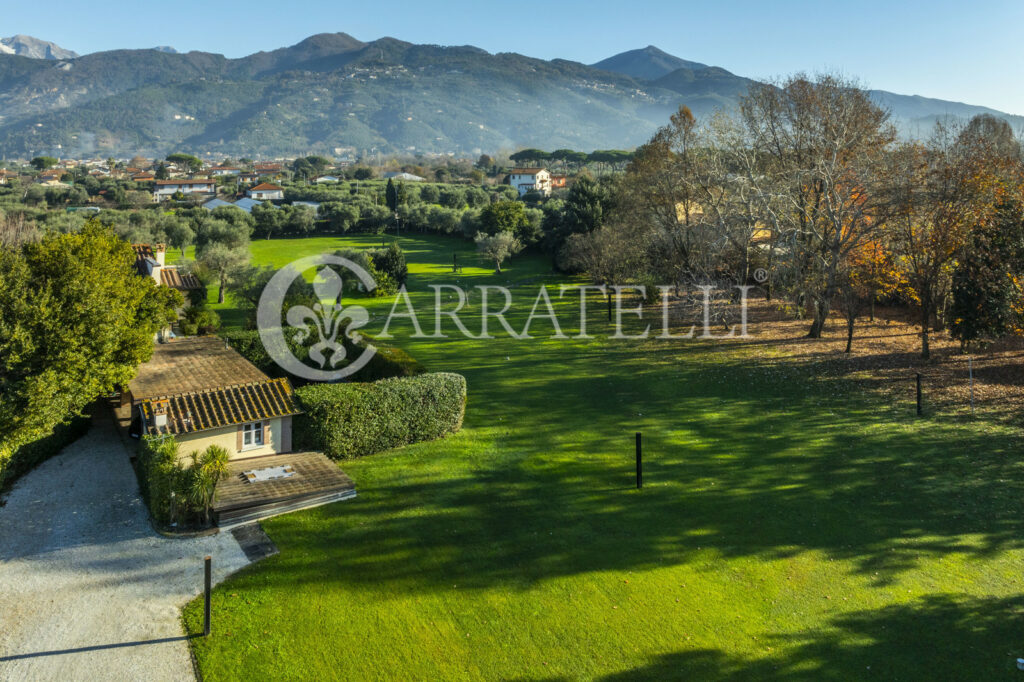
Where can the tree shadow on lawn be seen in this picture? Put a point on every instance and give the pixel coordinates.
(774, 469)
(980, 637)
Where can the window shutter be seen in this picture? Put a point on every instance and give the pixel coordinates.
(239, 445)
(286, 434)
(266, 432)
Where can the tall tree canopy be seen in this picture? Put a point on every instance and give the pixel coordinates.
(76, 320)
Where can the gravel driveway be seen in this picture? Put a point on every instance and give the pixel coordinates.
(87, 589)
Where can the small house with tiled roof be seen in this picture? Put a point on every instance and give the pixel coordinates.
(202, 392)
(165, 189)
(530, 180)
(151, 261)
(265, 192)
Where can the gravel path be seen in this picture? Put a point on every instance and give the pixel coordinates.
(87, 589)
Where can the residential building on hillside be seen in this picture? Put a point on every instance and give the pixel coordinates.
(220, 171)
(266, 192)
(165, 189)
(530, 180)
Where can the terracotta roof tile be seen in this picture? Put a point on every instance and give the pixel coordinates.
(174, 278)
(192, 365)
(217, 408)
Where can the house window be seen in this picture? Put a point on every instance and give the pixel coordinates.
(252, 435)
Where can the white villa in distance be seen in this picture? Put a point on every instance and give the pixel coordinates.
(530, 180)
(266, 192)
(165, 189)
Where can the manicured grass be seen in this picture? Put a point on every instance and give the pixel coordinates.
(789, 527)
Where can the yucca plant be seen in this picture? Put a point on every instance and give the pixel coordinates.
(208, 467)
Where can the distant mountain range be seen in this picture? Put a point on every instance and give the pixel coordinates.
(27, 46)
(337, 95)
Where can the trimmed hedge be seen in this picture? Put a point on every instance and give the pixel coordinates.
(356, 419)
(386, 363)
(32, 454)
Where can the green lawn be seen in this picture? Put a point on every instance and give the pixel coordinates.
(790, 526)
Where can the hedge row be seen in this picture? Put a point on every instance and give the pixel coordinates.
(28, 456)
(387, 362)
(355, 419)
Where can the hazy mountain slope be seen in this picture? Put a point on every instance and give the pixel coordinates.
(648, 63)
(332, 91)
(916, 115)
(386, 95)
(94, 76)
(27, 46)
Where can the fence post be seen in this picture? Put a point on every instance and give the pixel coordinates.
(639, 464)
(206, 606)
(918, 394)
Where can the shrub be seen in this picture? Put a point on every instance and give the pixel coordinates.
(30, 455)
(388, 362)
(429, 194)
(175, 493)
(250, 346)
(352, 419)
(391, 261)
(160, 475)
(200, 321)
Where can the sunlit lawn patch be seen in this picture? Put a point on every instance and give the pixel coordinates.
(789, 527)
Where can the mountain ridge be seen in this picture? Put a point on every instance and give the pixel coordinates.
(332, 93)
(34, 48)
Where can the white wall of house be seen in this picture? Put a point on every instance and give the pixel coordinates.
(166, 191)
(266, 194)
(526, 182)
(279, 440)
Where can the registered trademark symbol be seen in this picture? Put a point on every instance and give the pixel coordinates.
(761, 275)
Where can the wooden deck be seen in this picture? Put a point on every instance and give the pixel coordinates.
(317, 481)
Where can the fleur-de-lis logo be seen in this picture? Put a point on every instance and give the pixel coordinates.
(328, 320)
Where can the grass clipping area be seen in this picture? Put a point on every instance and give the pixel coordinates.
(797, 520)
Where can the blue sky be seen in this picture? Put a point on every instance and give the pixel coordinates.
(960, 51)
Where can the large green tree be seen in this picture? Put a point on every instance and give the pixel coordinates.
(504, 216)
(76, 320)
(44, 162)
(987, 280)
(221, 260)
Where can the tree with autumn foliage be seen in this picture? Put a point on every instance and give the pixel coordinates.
(868, 273)
(940, 191)
(822, 142)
